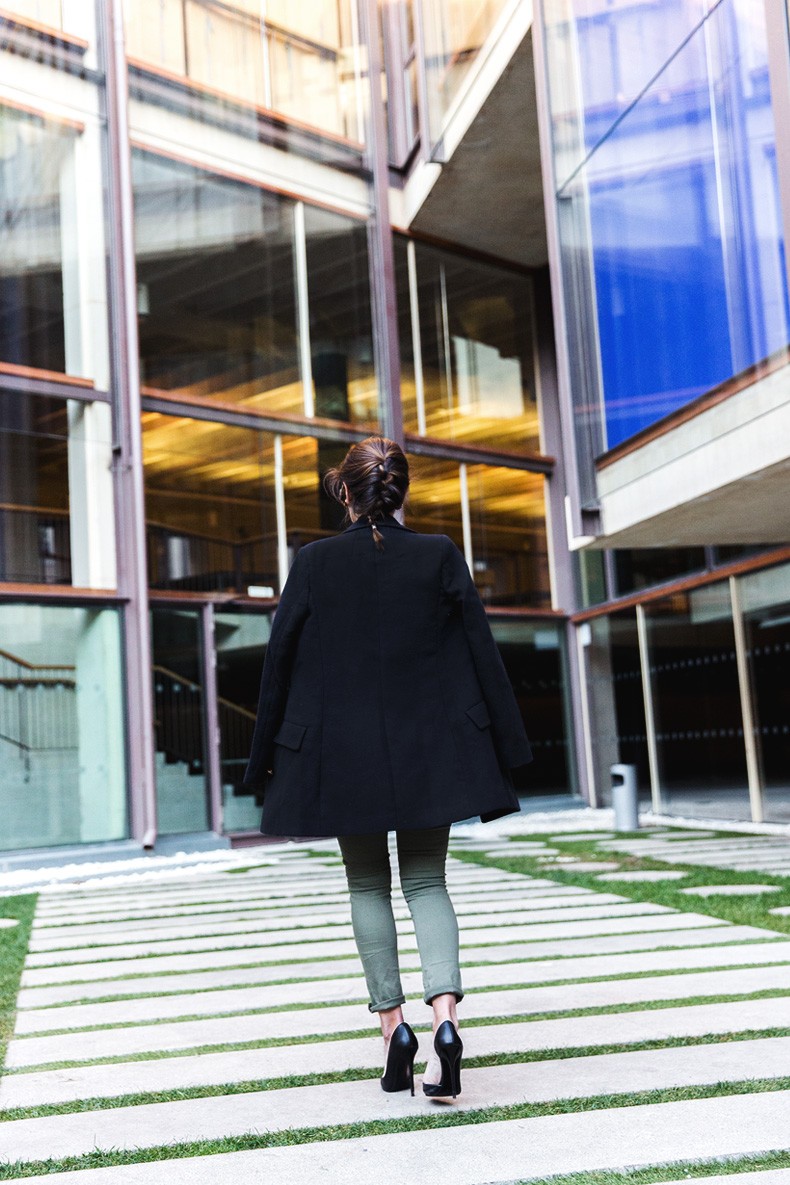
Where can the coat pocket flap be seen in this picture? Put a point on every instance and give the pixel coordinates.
(479, 713)
(290, 734)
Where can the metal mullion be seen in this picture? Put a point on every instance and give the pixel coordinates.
(212, 737)
(466, 520)
(580, 711)
(129, 507)
(776, 19)
(279, 510)
(303, 310)
(416, 335)
(650, 724)
(753, 771)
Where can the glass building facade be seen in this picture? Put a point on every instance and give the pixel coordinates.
(204, 300)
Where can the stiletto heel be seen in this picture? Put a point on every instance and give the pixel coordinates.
(449, 1047)
(399, 1071)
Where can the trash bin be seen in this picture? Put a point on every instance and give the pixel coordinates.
(624, 798)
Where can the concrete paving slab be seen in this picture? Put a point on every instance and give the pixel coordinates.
(79, 938)
(144, 1038)
(495, 1153)
(154, 1124)
(731, 890)
(664, 930)
(194, 1000)
(8, 923)
(566, 895)
(646, 874)
(643, 916)
(572, 865)
(36, 1088)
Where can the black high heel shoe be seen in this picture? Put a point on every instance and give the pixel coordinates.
(399, 1071)
(449, 1047)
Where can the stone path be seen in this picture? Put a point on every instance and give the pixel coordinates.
(240, 984)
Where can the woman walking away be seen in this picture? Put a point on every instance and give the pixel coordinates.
(385, 706)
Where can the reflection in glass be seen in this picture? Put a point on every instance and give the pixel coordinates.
(475, 324)
(508, 519)
(43, 12)
(180, 758)
(216, 289)
(56, 499)
(62, 763)
(341, 332)
(433, 503)
(240, 640)
(309, 511)
(454, 31)
(696, 704)
(639, 568)
(210, 508)
(668, 203)
(616, 701)
(765, 601)
(534, 657)
(295, 57)
(37, 287)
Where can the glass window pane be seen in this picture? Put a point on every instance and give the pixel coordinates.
(216, 288)
(309, 511)
(643, 567)
(341, 334)
(296, 57)
(617, 704)
(477, 361)
(508, 516)
(180, 759)
(433, 503)
(209, 491)
(241, 640)
(55, 457)
(696, 704)
(455, 31)
(765, 598)
(35, 238)
(62, 760)
(534, 658)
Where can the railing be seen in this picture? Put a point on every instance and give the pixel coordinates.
(37, 705)
(201, 563)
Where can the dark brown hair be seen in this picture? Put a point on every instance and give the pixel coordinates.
(376, 473)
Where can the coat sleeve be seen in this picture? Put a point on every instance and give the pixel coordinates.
(292, 609)
(508, 727)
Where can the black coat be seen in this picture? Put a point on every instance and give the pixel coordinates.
(384, 701)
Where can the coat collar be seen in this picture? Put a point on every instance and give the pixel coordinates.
(388, 520)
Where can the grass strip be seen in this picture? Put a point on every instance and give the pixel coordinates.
(13, 948)
(359, 1074)
(443, 1119)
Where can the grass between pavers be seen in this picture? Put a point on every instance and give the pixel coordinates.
(442, 1119)
(671, 1172)
(360, 1074)
(13, 948)
(745, 911)
(418, 1026)
(310, 1005)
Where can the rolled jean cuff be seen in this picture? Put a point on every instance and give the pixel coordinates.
(451, 990)
(395, 1002)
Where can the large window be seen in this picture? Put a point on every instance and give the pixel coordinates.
(225, 309)
(295, 57)
(38, 288)
(470, 377)
(210, 505)
(62, 765)
(508, 529)
(671, 238)
(765, 598)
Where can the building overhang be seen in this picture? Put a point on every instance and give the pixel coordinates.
(715, 472)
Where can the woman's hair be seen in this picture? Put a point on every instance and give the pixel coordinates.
(376, 473)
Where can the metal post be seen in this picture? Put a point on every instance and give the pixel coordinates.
(382, 256)
(279, 512)
(650, 724)
(416, 336)
(127, 437)
(213, 736)
(753, 771)
(303, 311)
(466, 520)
